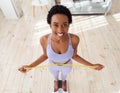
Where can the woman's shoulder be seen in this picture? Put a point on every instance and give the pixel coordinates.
(74, 37)
(44, 39)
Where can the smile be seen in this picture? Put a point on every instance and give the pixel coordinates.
(60, 34)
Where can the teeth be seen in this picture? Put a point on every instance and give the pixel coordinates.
(60, 34)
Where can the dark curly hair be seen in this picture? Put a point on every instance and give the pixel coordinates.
(59, 9)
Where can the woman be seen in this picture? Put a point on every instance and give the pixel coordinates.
(59, 47)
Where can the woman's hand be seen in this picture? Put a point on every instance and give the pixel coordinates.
(24, 68)
(98, 66)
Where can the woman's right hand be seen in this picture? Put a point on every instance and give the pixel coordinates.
(24, 68)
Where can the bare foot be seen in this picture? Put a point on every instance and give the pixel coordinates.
(55, 86)
(64, 85)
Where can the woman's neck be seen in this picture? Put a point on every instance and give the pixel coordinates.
(59, 39)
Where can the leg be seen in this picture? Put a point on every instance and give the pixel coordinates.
(65, 70)
(64, 85)
(64, 73)
(55, 86)
(55, 72)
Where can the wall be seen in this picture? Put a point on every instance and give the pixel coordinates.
(9, 9)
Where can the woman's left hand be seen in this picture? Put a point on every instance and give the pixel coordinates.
(98, 66)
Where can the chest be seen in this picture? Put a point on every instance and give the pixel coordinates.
(60, 47)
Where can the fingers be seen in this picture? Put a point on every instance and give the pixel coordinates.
(23, 69)
(98, 67)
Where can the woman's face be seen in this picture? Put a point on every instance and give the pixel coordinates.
(59, 25)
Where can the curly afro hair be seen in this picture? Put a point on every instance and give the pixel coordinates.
(59, 9)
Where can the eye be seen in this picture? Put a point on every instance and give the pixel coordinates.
(65, 25)
(55, 25)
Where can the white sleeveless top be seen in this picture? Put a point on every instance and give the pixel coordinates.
(60, 58)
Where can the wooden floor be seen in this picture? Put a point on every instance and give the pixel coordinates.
(19, 45)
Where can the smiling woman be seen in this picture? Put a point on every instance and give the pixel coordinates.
(59, 47)
(59, 24)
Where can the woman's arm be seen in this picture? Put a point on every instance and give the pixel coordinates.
(76, 57)
(42, 58)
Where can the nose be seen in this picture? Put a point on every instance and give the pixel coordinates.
(60, 29)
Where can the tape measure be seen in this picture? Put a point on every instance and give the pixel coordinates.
(74, 65)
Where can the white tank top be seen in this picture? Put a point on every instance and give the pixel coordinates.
(59, 57)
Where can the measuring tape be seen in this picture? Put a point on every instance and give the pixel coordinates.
(74, 65)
